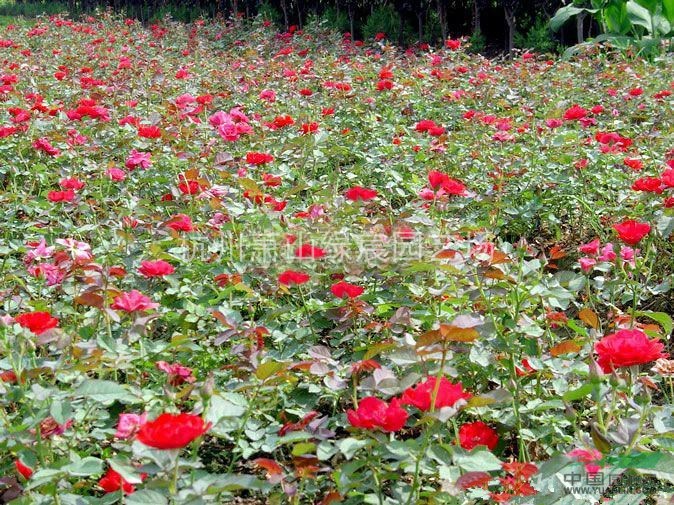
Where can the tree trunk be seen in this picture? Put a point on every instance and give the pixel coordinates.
(477, 18)
(299, 14)
(580, 18)
(284, 8)
(351, 20)
(420, 18)
(510, 20)
(441, 18)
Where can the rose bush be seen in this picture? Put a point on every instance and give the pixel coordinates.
(259, 267)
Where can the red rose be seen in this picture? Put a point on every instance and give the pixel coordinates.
(626, 348)
(189, 187)
(374, 413)
(61, 196)
(24, 470)
(258, 158)
(359, 193)
(425, 125)
(291, 277)
(156, 268)
(346, 290)
(112, 482)
(448, 394)
(631, 232)
(575, 112)
(309, 251)
(172, 431)
(648, 184)
(37, 322)
(478, 433)
(149, 131)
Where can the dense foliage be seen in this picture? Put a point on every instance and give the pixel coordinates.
(291, 267)
(493, 23)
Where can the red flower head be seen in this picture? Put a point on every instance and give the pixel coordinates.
(346, 290)
(112, 482)
(425, 125)
(626, 348)
(172, 431)
(648, 184)
(631, 232)
(157, 268)
(437, 179)
(453, 44)
(258, 158)
(575, 112)
(149, 132)
(667, 177)
(71, 183)
(374, 413)
(309, 251)
(180, 222)
(291, 277)
(448, 394)
(359, 193)
(475, 434)
(37, 322)
(67, 195)
(24, 470)
(189, 186)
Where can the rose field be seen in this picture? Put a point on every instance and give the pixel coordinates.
(247, 266)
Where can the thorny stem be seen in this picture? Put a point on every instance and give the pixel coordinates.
(308, 314)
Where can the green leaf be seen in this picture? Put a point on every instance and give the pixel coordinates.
(639, 15)
(127, 471)
(564, 14)
(663, 319)
(267, 369)
(577, 394)
(146, 497)
(668, 10)
(85, 467)
(303, 448)
(215, 484)
(477, 461)
(617, 19)
(61, 411)
(225, 411)
(349, 446)
(105, 392)
(43, 476)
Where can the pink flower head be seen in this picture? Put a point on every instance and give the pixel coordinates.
(79, 251)
(38, 252)
(607, 253)
(157, 268)
(627, 253)
(220, 118)
(589, 457)
(586, 264)
(116, 174)
(268, 95)
(133, 301)
(138, 159)
(128, 424)
(591, 247)
(177, 373)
